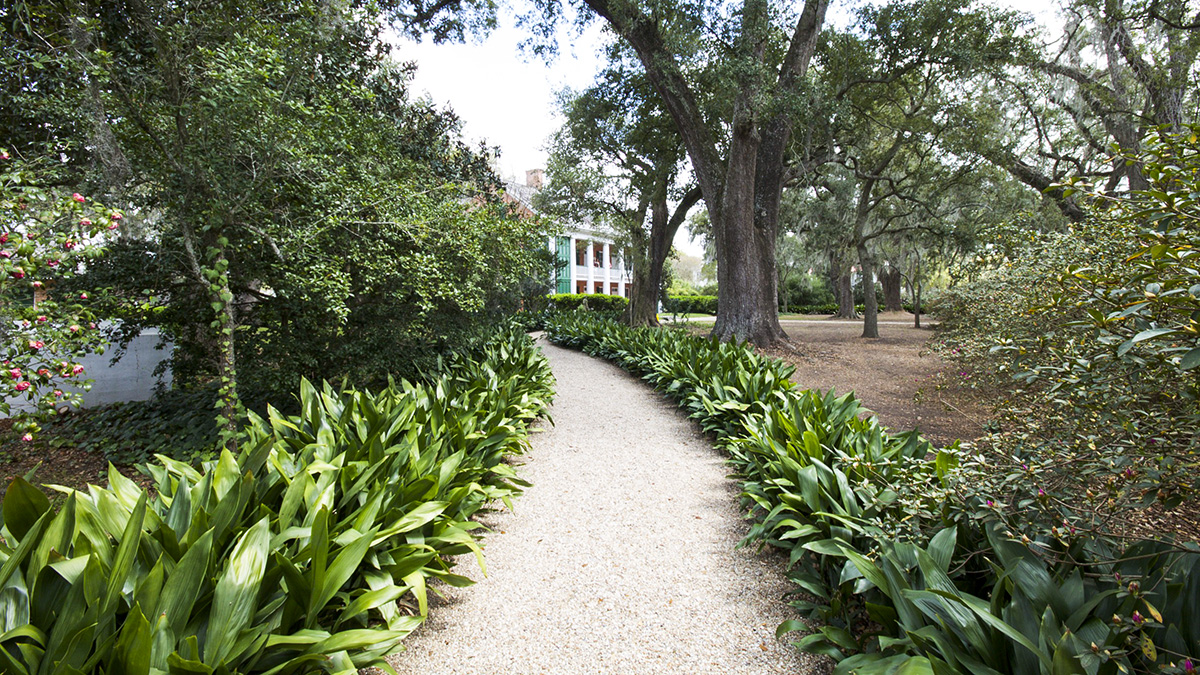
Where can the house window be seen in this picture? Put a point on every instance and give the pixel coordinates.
(626, 291)
(597, 255)
(613, 289)
(580, 252)
(581, 287)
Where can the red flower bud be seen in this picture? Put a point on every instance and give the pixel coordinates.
(79, 198)
(86, 222)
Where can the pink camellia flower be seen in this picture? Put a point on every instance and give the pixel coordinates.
(68, 245)
(44, 372)
(4, 154)
(58, 393)
(79, 198)
(15, 373)
(83, 296)
(76, 369)
(27, 437)
(31, 236)
(52, 263)
(74, 328)
(22, 385)
(86, 222)
(42, 319)
(4, 238)
(36, 284)
(113, 225)
(92, 326)
(116, 215)
(17, 273)
(5, 254)
(36, 344)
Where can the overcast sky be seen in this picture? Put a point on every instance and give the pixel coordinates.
(507, 98)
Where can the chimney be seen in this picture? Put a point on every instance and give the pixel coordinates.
(533, 178)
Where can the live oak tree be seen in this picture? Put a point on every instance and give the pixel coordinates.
(894, 82)
(617, 161)
(739, 157)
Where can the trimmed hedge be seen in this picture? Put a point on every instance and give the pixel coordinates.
(691, 304)
(832, 308)
(707, 304)
(902, 577)
(595, 301)
(309, 551)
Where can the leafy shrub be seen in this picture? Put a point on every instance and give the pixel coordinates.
(887, 531)
(593, 301)
(691, 304)
(1096, 327)
(46, 235)
(827, 308)
(308, 552)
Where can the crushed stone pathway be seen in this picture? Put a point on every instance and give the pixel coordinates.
(620, 558)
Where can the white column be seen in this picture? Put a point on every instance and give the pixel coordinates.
(607, 268)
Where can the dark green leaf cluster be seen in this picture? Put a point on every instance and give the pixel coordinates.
(1098, 325)
(902, 572)
(308, 552)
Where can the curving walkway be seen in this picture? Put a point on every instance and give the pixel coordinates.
(619, 559)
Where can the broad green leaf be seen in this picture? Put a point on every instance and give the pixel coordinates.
(236, 594)
(23, 506)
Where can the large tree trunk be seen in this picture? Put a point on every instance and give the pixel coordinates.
(870, 302)
(643, 305)
(744, 239)
(890, 279)
(652, 254)
(841, 282)
(746, 305)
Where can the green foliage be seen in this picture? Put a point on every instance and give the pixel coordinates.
(1098, 326)
(309, 552)
(46, 235)
(177, 423)
(291, 211)
(566, 302)
(886, 532)
(691, 304)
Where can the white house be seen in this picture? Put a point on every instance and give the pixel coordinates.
(587, 260)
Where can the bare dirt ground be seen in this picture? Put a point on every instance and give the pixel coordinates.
(893, 376)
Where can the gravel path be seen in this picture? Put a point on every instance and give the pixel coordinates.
(619, 559)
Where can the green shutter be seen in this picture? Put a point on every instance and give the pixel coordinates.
(563, 268)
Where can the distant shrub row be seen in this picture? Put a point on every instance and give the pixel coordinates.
(594, 301)
(707, 304)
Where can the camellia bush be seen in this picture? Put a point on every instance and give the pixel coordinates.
(46, 236)
(1097, 328)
